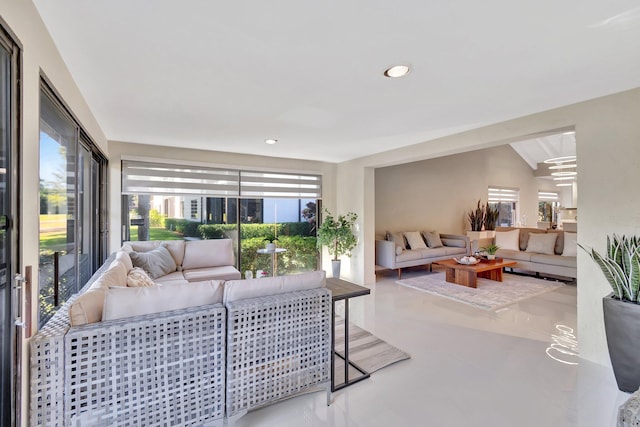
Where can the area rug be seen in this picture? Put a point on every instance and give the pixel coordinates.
(489, 295)
(365, 349)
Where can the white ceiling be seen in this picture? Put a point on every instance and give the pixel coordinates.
(226, 75)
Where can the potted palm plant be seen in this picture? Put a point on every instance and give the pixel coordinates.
(490, 250)
(620, 265)
(336, 233)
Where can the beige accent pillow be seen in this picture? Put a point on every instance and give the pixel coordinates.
(399, 250)
(157, 262)
(128, 302)
(415, 240)
(208, 253)
(433, 239)
(542, 243)
(124, 258)
(235, 290)
(570, 244)
(509, 240)
(138, 278)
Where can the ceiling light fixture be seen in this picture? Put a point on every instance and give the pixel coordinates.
(397, 71)
(563, 166)
(563, 159)
(570, 132)
(270, 141)
(565, 184)
(564, 173)
(562, 178)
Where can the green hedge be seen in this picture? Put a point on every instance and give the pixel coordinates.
(183, 226)
(301, 255)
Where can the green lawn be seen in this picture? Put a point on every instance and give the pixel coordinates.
(158, 233)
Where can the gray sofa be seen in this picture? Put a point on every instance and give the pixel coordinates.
(179, 353)
(554, 263)
(394, 252)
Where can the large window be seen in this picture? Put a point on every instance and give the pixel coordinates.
(246, 206)
(506, 201)
(72, 206)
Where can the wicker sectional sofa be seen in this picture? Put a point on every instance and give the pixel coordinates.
(559, 258)
(396, 252)
(179, 352)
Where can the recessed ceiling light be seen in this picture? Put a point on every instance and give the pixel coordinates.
(270, 141)
(566, 184)
(397, 71)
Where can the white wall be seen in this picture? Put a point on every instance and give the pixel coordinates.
(39, 55)
(608, 144)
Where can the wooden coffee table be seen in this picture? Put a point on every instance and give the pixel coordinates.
(467, 275)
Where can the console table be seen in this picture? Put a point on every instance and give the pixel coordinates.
(343, 290)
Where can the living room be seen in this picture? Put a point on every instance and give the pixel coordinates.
(605, 122)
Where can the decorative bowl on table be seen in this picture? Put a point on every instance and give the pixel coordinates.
(467, 260)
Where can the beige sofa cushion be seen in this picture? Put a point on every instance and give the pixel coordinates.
(235, 290)
(570, 247)
(128, 302)
(87, 308)
(397, 238)
(124, 258)
(540, 243)
(225, 272)
(561, 261)
(208, 253)
(415, 240)
(508, 240)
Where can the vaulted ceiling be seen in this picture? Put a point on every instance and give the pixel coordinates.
(227, 75)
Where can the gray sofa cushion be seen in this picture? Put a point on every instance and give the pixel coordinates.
(397, 238)
(409, 255)
(456, 251)
(454, 243)
(157, 262)
(542, 243)
(433, 239)
(514, 255)
(562, 261)
(433, 252)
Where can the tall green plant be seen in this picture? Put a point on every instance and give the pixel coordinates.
(491, 217)
(620, 265)
(476, 217)
(337, 234)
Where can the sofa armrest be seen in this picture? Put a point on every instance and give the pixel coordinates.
(386, 254)
(461, 239)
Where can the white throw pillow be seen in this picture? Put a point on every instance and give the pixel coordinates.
(570, 244)
(509, 240)
(542, 243)
(399, 250)
(128, 302)
(415, 240)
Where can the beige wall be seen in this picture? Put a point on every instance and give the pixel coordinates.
(608, 148)
(436, 194)
(118, 150)
(39, 55)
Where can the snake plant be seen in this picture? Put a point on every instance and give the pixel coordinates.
(620, 265)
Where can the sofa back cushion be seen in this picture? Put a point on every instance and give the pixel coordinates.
(570, 247)
(542, 243)
(398, 239)
(128, 302)
(175, 247)
(157, 262)
(415, 240)
(208, 253)
(433, 239)
(124, 258)
(235, 290)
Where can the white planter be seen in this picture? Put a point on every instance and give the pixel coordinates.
(270, 247)
(484, 234)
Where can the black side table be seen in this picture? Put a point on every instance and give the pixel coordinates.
(343, 290)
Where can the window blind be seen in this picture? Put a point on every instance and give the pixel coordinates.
(281, 185)
(502, 194)
(158, 178)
